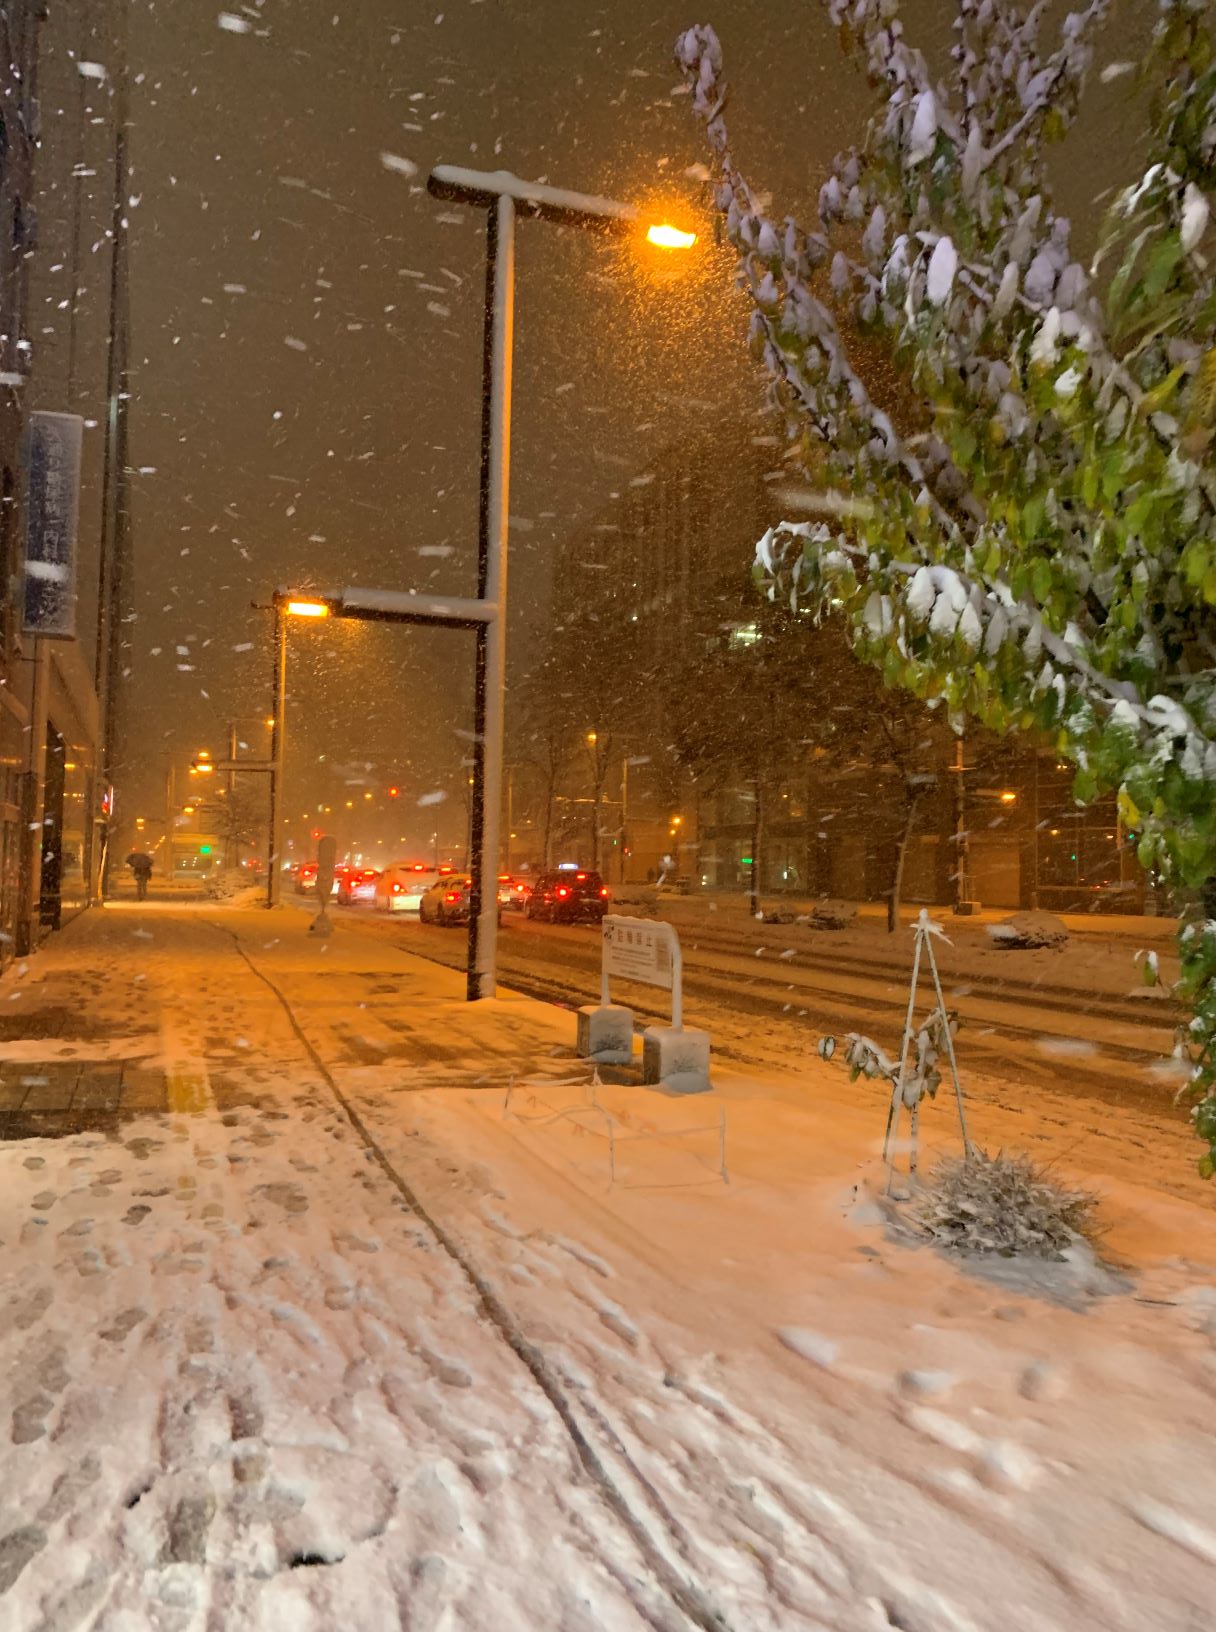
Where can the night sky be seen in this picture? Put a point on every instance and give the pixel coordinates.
(307, 327)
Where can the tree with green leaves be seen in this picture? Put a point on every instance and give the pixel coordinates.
(1025, 530)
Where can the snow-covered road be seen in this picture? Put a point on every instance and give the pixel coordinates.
(355, 1339)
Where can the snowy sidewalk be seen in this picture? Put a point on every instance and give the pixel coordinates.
(342, 1334)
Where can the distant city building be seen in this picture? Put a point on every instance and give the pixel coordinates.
(1002, 831)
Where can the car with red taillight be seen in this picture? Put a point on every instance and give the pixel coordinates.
(400, 888)
(568, 895)
(446, 902)
(513, 892)
(306, 878)
(357, 884)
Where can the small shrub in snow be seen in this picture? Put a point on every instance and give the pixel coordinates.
(1028, 930)
(832, 915)
(1003, 1205)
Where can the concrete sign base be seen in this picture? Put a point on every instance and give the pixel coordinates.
(605, 1034)
(676, 1059)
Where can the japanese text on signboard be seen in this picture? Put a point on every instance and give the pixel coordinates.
(637, 950)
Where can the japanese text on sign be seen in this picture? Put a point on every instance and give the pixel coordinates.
(637, 950)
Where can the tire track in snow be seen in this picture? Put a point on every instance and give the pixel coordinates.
(684, 1594)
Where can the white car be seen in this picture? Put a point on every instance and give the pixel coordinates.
(400, 888)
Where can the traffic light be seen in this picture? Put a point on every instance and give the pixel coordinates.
(394, 792)
(204, 849)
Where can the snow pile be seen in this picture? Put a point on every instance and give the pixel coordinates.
(234, 889)
(1027, 930)
(1001, 1204)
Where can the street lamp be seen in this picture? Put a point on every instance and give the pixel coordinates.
(503, 196)
(361, 605)
(669, 237)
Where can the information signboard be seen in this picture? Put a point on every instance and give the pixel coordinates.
(637, 949)
(52, 505)
(644, 950)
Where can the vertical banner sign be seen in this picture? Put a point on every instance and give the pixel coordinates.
(52, 503)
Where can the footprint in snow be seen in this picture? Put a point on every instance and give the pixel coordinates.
(447, 1371)
(122, 1325)
(618, 1321)
(812, 1346)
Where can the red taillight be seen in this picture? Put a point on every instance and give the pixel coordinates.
(452, 895)
(604, 890)
(520, 888)
(419, 868)
(442, 871)
(563, 892)
(397, 888)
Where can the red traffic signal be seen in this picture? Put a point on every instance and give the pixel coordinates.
(394, 792)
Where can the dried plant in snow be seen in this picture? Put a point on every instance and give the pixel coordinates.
(1003, 1205)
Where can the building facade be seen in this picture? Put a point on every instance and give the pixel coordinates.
(992, 822)
(56, 132)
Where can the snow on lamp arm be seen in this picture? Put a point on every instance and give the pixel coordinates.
(1041, 549)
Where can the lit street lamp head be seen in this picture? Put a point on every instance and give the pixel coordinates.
(307, 609)
(669, 237)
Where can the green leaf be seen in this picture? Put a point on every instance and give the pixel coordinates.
(1162, 260)
(1085, 787)
(1034, 513)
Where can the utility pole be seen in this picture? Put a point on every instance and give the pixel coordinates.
(170, 818)
(510, 815)
(232, 841)
(624, 811)
(115, 563)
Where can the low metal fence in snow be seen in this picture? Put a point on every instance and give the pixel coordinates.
(589, 1115)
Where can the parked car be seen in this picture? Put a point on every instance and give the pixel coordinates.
(357, 884)
(401, 887)
(567, 896)
(513, 892)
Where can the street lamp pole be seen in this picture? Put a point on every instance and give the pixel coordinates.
(489, 695)
(501, 195)
(278, 691)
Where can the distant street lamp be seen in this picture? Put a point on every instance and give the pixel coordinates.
(361, 605)
(503, 196)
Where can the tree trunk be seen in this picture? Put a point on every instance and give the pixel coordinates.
(895, 895)
(757, 836)
(547, 830)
